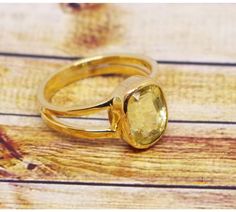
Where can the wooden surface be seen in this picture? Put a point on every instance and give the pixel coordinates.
(193, 166)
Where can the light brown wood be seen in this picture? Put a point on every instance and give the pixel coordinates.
(181, 159)
(167, 31)
(16, 195)
(198, 150)
(189, 154)
(192, 92)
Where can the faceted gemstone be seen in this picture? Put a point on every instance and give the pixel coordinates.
(147, 114)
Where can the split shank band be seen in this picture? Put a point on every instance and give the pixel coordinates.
(136, 109)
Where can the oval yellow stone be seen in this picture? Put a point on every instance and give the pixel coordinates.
(147, 114)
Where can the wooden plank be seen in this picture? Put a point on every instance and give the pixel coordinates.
(190, 153)
(167, 32)
(193, 155)
(79, 196)
(192, 92)
(198, 149)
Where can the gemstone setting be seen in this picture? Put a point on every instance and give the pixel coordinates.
(146, 114)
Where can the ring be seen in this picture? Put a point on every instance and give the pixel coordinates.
(136, 109)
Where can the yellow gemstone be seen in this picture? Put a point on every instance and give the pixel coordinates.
(147, 114)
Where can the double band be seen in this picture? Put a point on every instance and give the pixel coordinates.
(136, 109)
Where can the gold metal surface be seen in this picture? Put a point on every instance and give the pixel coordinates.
(140, 70)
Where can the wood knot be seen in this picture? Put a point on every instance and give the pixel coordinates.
(9, 145)
(31, 166)
(77, 7)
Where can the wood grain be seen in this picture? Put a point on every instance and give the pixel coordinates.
(16, 195)
(193, 166)
(168, 31)
(179, 159)
(209, 90)
(189, 154)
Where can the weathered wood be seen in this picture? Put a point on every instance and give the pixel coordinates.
(188, 154)
(198, 149)
(167, 32)
(16, 195)
(192, 92)
(183, 159)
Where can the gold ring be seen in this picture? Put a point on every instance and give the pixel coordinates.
(136, 109)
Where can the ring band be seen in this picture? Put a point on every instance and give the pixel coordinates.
(137, 108)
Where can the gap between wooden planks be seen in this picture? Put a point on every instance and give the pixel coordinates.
(189, 154)
(197, 153)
